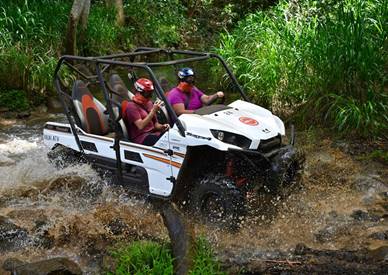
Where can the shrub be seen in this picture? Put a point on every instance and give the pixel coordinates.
(326, 60)
(14, 100)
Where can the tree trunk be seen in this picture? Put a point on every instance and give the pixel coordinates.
(119, 7)
(79, 11)
(181, 235)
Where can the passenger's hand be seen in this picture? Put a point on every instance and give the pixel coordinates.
(165, 127)
(220, 94)
(156, 107)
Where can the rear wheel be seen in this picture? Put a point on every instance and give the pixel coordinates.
(62, 156)
(216, 199)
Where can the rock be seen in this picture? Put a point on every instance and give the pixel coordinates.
(45, 267)
(360, 215)
(5, 161)
(11, 235)
(379, 235)
(3, 109)
(301, 249)
(369, 183)
(40, 109)
(117, 226)
(326, 234)
(54, 105)
(379, 254)
(23, 114)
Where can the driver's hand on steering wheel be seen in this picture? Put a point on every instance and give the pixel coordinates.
(220, 94)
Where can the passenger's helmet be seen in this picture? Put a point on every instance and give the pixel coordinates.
(185, 72)
(144, 85)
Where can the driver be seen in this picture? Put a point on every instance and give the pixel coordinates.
(186, 98)
(140, 115)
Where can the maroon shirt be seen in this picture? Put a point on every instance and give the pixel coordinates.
(133, 113)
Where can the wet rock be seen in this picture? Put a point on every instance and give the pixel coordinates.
(384, 195)
(379, 235)
(326, 234)
(45, 267)
(5, 161)
(54, 105)
(301, 249)
(369, 183)
(23, 114)
(3, 109)
(360, 215)
(9, 115)
(11, 235)
(379, 254)
(117, 226)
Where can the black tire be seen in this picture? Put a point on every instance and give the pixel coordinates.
(216, 199)
(289, 174)
(63, 157)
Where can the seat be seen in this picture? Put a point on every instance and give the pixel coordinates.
(121, 94)
(89, 110)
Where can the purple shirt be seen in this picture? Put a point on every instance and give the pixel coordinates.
(133, 113)
(176, 96)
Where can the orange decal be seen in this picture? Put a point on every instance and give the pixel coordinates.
(173, 163)
(248, 121)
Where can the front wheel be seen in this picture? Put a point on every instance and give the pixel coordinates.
(217, 199)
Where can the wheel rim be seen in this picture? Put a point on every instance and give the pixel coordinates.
(212, 206)
(290, 173)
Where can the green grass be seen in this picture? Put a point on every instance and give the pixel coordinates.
(145, 257)
(325, 60)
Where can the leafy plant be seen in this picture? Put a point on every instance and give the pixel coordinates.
(14, 100)
(326, 60)
(145, 257)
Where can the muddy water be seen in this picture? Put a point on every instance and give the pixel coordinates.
(341, 203)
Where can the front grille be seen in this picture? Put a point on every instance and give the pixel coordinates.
(268, 145)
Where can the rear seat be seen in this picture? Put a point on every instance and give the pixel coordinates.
(89, 110)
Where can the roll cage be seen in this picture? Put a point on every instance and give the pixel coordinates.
(103, 63)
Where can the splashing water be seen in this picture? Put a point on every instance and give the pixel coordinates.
(75, 213)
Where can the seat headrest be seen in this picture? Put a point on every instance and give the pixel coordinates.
(89, 110)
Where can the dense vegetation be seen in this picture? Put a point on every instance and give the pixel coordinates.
(145, 257)
(325, 59)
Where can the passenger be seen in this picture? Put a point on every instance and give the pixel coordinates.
(140, 115)
(186, 98)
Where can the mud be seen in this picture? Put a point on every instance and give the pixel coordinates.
(334, 222)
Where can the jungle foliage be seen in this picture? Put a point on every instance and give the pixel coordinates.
(326, 60)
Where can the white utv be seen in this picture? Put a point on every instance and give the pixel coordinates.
(210, 159)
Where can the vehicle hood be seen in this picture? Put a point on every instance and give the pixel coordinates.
(239, 117)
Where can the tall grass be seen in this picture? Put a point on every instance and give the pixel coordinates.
(326, 60)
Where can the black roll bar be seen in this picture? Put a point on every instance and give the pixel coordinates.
(108, 61)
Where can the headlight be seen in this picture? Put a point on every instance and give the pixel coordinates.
(231, 138)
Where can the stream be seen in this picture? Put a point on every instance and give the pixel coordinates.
(341, 206)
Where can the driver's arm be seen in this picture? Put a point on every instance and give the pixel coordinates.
(209, 99)
(179, 109)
